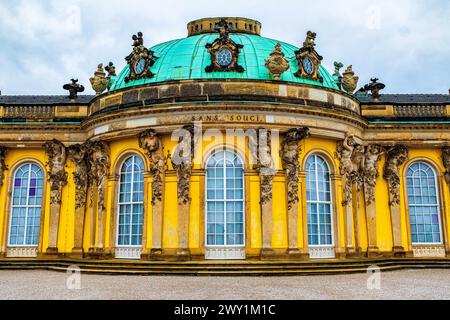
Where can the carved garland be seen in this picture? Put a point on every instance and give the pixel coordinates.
(261, 153)
(3, 166)
(446, 161)
(182, 161)
(289, 156)
(99, 163)
(150, 141)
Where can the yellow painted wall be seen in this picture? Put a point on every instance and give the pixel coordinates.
(123, 147)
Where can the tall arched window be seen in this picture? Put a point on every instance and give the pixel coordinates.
(130, 208)
(423, 204)
(26, 206)
(225, 226)
(319, 205)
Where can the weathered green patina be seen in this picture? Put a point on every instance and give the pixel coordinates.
(187, 58)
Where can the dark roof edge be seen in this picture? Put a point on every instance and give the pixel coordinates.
(44, 99)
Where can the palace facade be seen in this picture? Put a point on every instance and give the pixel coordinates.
(225, 145)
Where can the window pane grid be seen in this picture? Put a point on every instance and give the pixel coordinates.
(26, 206)
(318, 190)
(130, 204)
(423, 204)
(225, 200)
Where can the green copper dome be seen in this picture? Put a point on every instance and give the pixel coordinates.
(187, 58)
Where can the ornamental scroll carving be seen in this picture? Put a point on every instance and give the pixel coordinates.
(99, 163)
(289, 155)
(396, 156)
(260, 147)
(277, 63)
(446, 161)
(57, 175)
(3, 166)
(78, 153)
(182, 161)
(151, 142)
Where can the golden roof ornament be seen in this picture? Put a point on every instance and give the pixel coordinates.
(310, 40)
(349, 80)
(99, 82)
(277, 63)
(111, 69)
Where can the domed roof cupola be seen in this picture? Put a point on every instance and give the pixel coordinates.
(190, 58)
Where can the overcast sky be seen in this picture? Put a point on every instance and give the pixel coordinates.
(44, 43)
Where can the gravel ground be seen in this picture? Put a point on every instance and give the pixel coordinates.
(411, 284)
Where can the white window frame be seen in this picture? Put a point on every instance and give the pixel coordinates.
(132, 203)
(27, 206)
(225, 200)
(318, 202)
(438, 205)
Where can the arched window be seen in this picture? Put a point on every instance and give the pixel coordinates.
(319, 206)
(26, 206)
(423, 204)
(225, 226)
(130, 207)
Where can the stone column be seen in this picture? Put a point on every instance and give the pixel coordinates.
(182, 162)
(266, 188)
(396, 156)
(57, 177)
(371, 174)
(290, 158)
(3, 168)
(260, 148)
(151, 142)
(78, 154)
(99, 162)
(351, 156)
(348, 211)
(357, 218)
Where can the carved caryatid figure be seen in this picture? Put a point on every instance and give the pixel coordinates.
(358, 158)
(396, 156)
(371, 174)
(57, 175)
(78, 153)
(182, 161)
(349, 80)
(3, 166)
(150, 141)
(446, 161)
(348, 168)
(99, 163)
(289, 155)
(99, 82)
(277, 63)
